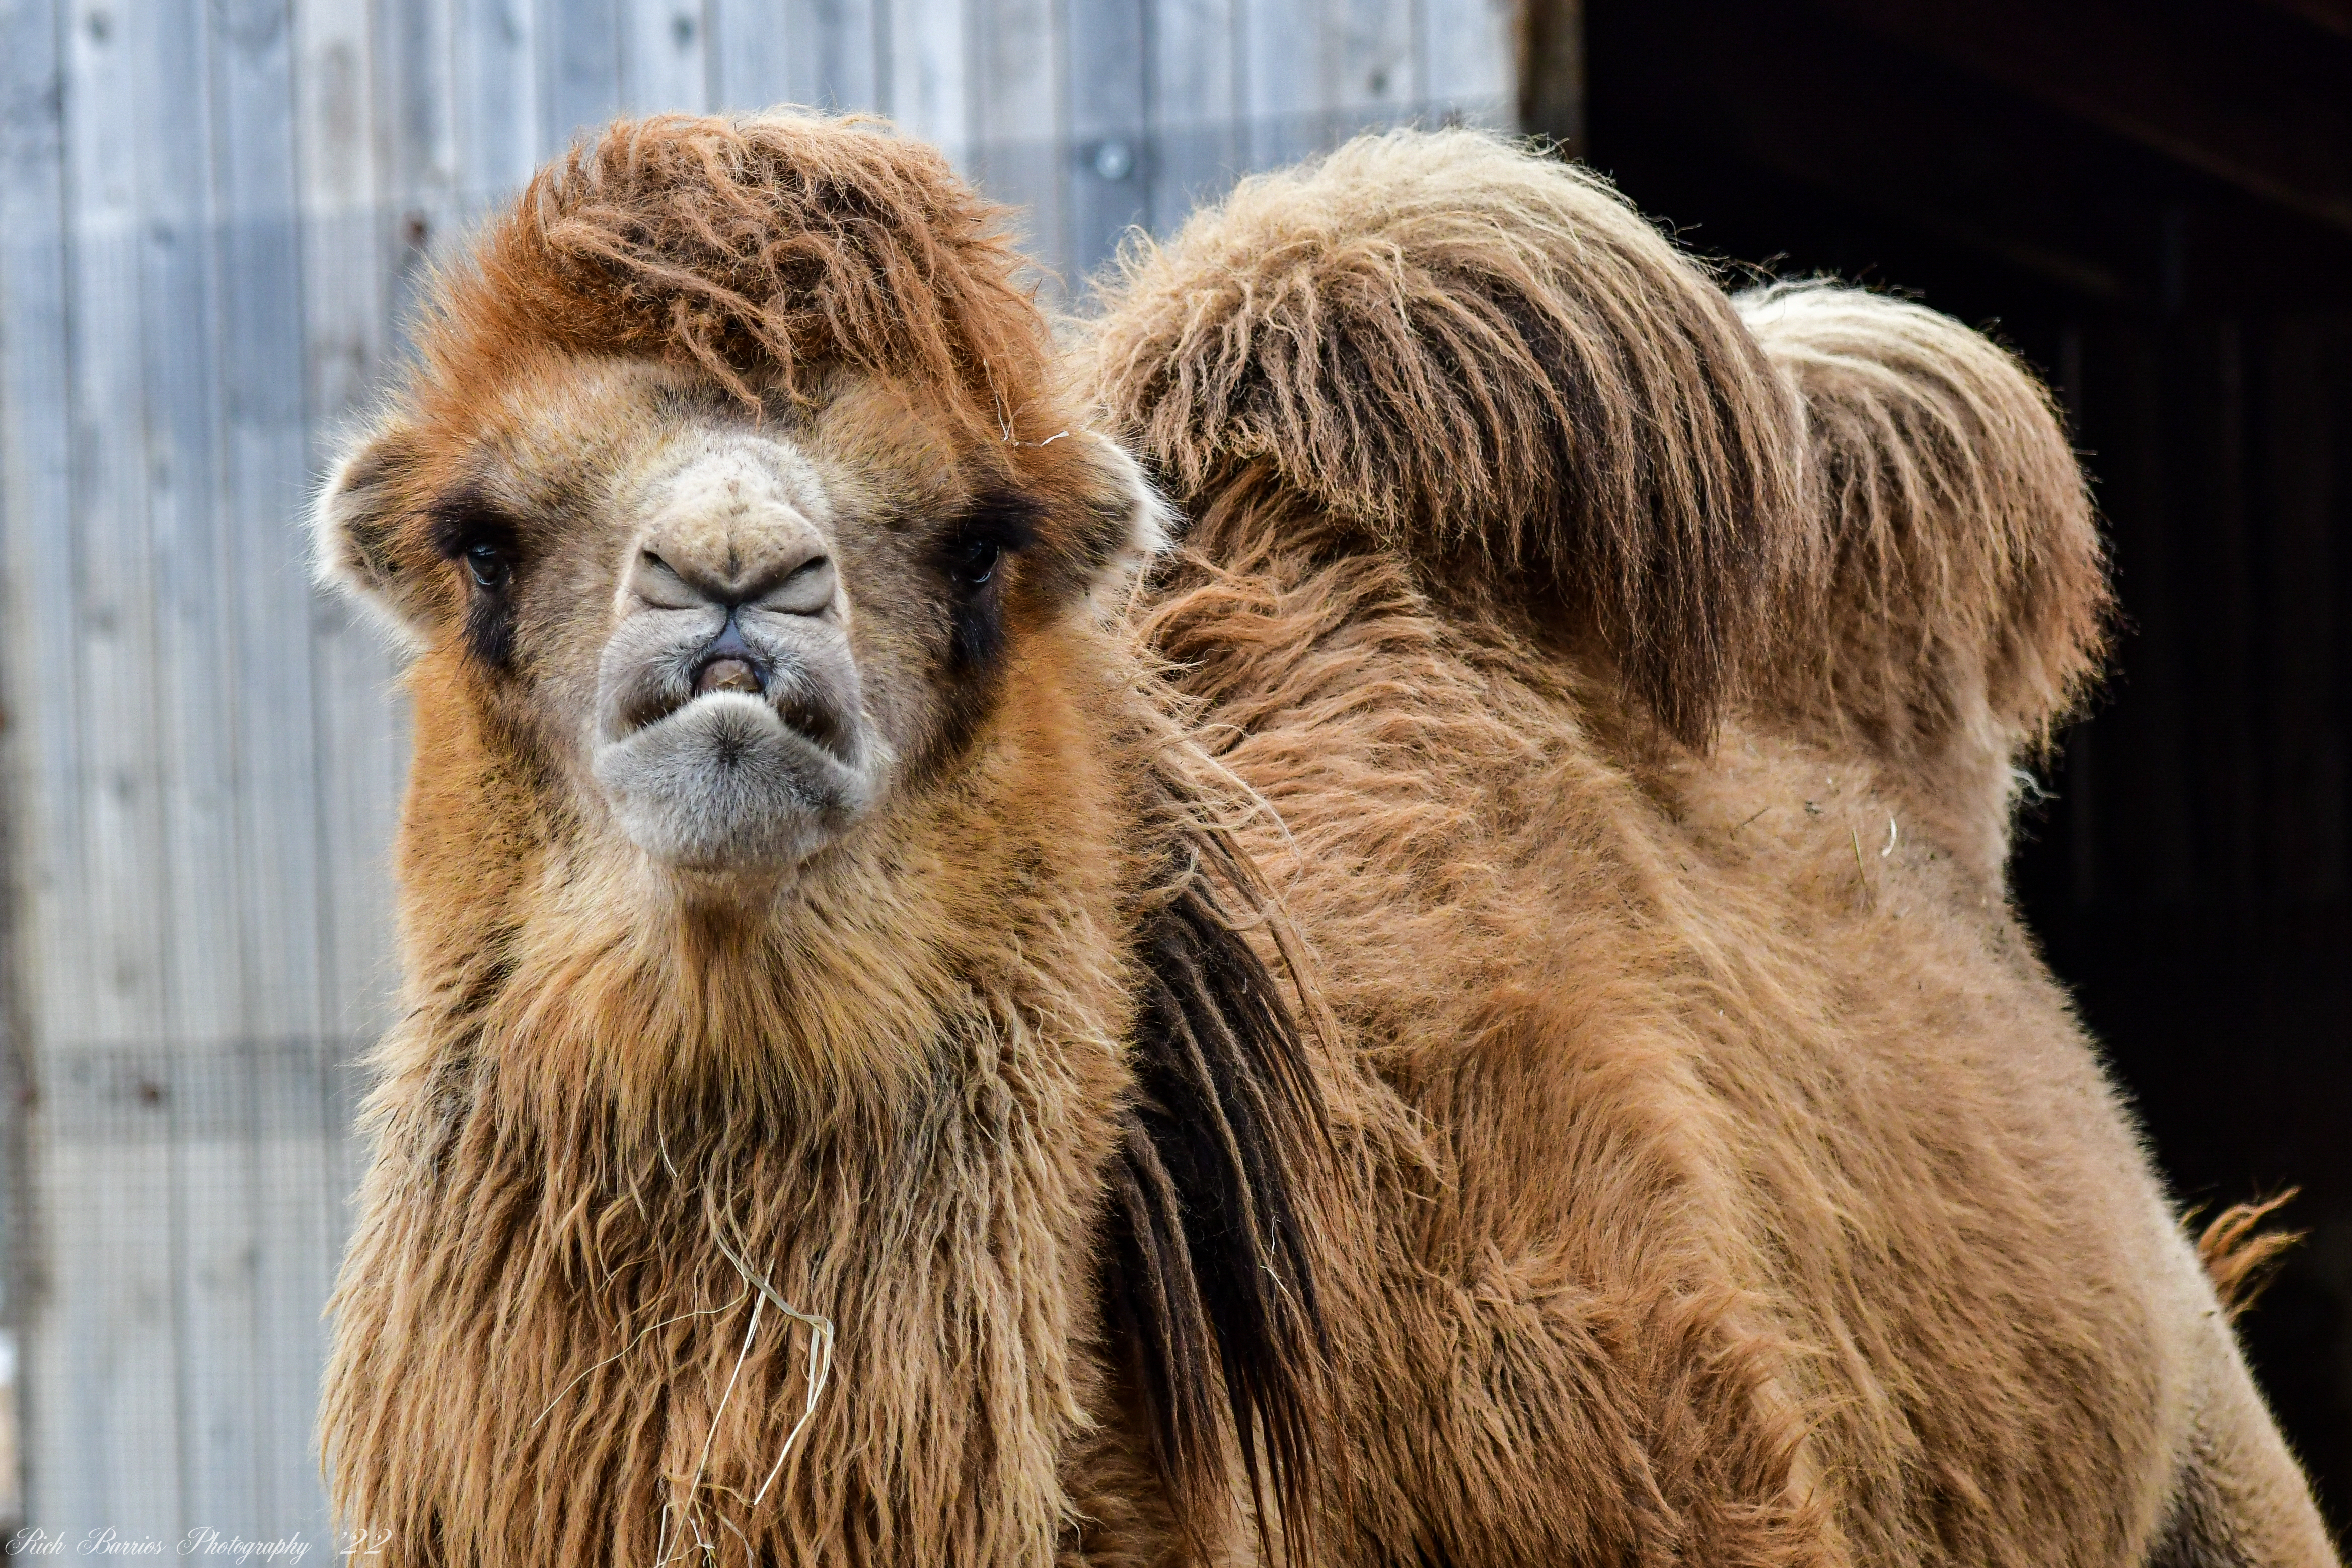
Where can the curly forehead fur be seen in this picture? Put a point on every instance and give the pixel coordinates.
(1489, 361)
(763, 249)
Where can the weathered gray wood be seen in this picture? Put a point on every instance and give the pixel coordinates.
(582, 68)
(42, 740)
(300, 1178)
(926, 68)
(750, 56)
(415, 112)
(1018, 154)
(662, 65)
(1377, 70)
(1196, 98)
(177, 305)
(191, 530)
(112, 665)
(111, 1324)
(310, 1164)
(265, 475)
(1110, 153)
(495, 90)
(1287, 77)
(38, 743)
(105, 1448)
(272, 1269)
(344, 331)
(833, 60)
(1467, 47)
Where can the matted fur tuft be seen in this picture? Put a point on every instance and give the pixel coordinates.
(1967, 594)
(2241, 1255)
(1211, 1276)
(763, 248)
(1485, 359)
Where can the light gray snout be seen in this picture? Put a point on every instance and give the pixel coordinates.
(729, 726)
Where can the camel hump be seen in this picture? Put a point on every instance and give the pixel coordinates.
(1484, 359)
(1964, 596)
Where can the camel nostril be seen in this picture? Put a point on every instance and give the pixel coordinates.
(728, 674)
(728, 665)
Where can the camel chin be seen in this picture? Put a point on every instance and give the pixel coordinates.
(725, 785)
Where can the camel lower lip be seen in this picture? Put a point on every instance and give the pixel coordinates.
(726, 781)
(802, 719)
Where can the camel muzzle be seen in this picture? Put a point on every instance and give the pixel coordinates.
(737, 748)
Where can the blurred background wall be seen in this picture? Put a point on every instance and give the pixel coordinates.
(213, 215)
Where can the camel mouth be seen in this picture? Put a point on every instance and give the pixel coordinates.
(803, 696)
(804, 710)
(726, 782)
(744, 760)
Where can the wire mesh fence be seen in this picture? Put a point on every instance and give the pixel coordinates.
(213, 217)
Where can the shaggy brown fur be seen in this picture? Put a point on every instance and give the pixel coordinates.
(1779, 1212)
(1519, 385)
(2241, 1255)
(901, 1203)
(754, 251)
(1962, 612)
(1628, 1160)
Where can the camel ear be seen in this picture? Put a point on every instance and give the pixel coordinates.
(355, 526)
(1129, 523)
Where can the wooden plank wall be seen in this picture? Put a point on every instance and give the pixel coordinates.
(213, 214)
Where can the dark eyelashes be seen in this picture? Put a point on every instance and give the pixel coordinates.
(469, 529)
(475, 534)
(484, 540)
(975, 564)
(996, 523)
(490, 566)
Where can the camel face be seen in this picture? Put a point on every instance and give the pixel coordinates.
(730, 632)
(790, 846)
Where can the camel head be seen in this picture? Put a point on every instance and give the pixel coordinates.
(729, 485)
(795, 857)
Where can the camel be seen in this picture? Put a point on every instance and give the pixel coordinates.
(1638, 678)
(938, 1031)
(800, 873)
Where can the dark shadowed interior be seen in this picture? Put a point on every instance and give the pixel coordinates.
(2151, 200)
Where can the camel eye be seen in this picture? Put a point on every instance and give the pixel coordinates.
(488, 564)
(976, 563)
